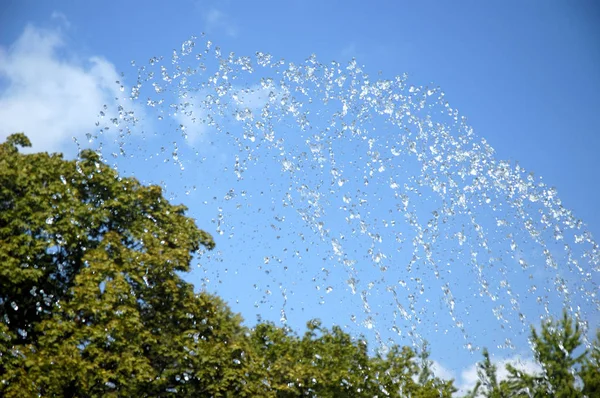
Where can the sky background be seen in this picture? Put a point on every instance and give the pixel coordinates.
(525, 74)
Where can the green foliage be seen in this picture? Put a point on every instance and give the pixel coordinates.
(425, 372)
(90, 300)
(428, 384)
(329, 363)
(488, 385)
(590, 370)
(564, 374)
(322, 363)
(554, 350)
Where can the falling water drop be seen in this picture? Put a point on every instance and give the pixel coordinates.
(384, 189)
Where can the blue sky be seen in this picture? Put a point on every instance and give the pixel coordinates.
(525, 75)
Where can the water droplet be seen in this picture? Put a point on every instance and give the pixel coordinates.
(379, 170)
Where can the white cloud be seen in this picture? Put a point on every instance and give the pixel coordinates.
(468, 377)
(49, 97)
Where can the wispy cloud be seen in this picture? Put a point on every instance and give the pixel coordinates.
(441, 371)
(193, 120)
(217, 21)
(352, 50)
(61, 18)
(52, 98)
(195, 117)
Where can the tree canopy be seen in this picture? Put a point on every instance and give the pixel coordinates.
(92, 304)
(90, 299)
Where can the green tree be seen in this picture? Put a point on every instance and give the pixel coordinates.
(554, 348)
(338, 365)
(564, 374)
(330, 363)
(590, 370)
(322, 363)
(398, 374)
(488, 385)
(425, 371)
(429, 382)
(90, 300)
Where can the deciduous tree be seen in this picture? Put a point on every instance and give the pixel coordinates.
(90, 300)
